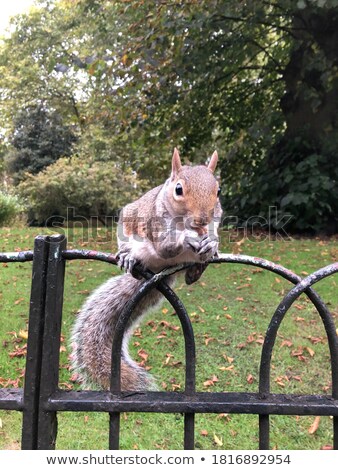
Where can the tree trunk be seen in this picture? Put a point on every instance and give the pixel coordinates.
(310, 104)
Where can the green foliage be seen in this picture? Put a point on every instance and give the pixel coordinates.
(136, 80)
(71, 187)
(10, 207)
(297, 179)
(39, 138)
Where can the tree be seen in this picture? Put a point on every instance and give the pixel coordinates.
(256, 79)
(39, 139)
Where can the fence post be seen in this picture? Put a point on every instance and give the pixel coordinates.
(47, 426)
(34, 344)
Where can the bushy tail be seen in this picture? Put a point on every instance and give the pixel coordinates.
(93, 332)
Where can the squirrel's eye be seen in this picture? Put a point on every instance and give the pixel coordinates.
(179, 189)
(219, 192)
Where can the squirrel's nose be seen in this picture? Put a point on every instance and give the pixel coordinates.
(200, 224)
(200, 221)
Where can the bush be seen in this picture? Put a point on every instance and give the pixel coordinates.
(88, 188)
(298, 179)
(10, 207)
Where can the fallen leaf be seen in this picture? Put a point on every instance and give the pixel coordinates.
(310, 351)
(286, 343)
(316, 339)
(207, 340)
(250, 379)
(211, 382)
(19, 352)
(23, 334)
(142, 354)
(218, 440)
(299, 307)
(227, 368)
(204, 432)
(243, 286)
(315, 425)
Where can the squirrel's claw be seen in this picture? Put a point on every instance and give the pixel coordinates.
(126, 262)
(207, 248)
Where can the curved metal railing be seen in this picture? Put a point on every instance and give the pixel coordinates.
(41, 398)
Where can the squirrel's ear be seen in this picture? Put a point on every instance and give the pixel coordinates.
(175, 164)
(213, 161)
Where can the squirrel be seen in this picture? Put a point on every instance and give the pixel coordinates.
(171, 224)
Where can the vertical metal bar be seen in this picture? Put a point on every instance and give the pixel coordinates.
(34, 345)
(47, 426)
(264, 432)
(189, 431)
(114, 431)
(190, 355)
(335, 432)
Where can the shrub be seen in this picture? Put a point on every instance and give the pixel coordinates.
(89, 188)
(10, 207)
(298, 179)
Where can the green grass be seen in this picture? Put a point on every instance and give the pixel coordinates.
(230, 308)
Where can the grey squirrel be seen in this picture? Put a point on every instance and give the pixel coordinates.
(171, 224)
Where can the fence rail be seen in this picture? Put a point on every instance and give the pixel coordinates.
(41, 399)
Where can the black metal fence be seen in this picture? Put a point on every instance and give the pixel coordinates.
(41, 399)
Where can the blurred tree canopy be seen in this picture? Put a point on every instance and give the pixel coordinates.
(39, 138)
(255, 79)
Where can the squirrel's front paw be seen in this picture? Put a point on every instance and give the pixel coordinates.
(207, 248)
(127, 262)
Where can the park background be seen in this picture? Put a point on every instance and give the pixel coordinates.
(94, 96)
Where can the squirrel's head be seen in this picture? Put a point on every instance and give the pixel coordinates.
(193, 192)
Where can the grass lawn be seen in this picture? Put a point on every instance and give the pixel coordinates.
(230, 308)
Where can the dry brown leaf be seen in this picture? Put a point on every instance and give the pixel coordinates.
(250, 379)
(227, 368)
(310, 351)
(143, 354)
(299, 307)
(207, 340)
(315, 425)
(243, 286)
(286, 343)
